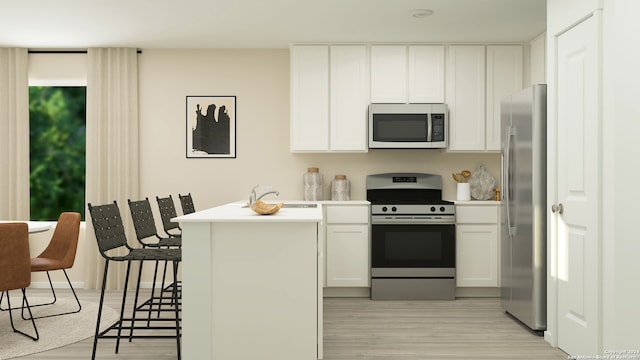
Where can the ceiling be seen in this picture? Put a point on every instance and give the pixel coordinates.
(78, 24)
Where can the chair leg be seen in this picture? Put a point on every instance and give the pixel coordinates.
(135, 302)
(97, 334)
(25, 301)
(164, 276)
(176, 304)
(55, 299)
(124, 298)
(153, 294)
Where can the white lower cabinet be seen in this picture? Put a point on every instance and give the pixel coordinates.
(477, 237)
(347, 246)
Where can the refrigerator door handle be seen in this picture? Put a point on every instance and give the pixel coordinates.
(507, 178)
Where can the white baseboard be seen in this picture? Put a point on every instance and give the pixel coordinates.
(57, 285)
(78, 285)
(346, 292)
(477, 292)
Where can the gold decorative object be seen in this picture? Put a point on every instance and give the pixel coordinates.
(462, 176)
(263, 208)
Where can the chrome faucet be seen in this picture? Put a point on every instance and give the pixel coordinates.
(253, 198)
(267, 193)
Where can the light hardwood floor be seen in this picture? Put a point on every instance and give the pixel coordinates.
(358, 328)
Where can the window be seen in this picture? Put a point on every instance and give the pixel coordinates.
(57, 150)
(57, 103)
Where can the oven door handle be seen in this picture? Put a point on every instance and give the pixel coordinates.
(409, 220)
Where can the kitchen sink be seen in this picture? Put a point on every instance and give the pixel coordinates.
(296, 206)
(286, 205)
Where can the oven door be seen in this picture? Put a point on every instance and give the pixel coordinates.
(413, 245)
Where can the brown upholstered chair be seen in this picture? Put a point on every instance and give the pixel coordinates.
(15, 271)
(60, 254)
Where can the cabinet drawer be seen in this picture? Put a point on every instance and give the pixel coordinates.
(477, 214)
(347, 214)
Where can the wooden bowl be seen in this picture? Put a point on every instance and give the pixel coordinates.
(263, 208)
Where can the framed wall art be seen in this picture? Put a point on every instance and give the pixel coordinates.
(211, 127)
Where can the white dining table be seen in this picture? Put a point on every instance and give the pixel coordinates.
(34, 226)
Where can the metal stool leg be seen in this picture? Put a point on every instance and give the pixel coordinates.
(104, 284)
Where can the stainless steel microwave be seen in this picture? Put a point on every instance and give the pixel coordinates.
(408, 126)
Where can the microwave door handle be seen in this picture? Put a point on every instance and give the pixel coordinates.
(429, 127)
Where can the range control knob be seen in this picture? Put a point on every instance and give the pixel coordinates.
(394, 209)
(433, 209)
(441, 208)
(384, 209)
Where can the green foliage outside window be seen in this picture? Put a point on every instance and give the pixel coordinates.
(57, 150)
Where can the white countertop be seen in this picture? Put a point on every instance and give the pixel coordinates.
(237, 212)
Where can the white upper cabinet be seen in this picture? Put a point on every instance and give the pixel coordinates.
(332, 86)
(329, 98)
(407, 74)
(309, 98)
(466, 97)
(388, 74)
(504, 76)
(478, 77)
(349, 98)
(426, 74)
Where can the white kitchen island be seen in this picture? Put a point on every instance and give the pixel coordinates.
(252, 284)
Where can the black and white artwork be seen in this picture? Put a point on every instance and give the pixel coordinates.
(211, 126)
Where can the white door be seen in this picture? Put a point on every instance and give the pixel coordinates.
(578, 188)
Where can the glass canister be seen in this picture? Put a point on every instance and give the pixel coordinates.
(340, 188)
(313, 183)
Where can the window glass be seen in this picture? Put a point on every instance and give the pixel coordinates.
(57, 150)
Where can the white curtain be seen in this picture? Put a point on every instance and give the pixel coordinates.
(112, 148)
(14, 134)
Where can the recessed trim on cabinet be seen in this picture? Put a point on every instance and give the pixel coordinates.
(466, 97)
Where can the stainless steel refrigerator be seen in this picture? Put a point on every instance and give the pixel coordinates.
(523, 227)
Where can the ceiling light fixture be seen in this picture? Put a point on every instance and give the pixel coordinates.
(421, 13)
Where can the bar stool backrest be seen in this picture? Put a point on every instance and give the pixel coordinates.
(108, 227)
(143, 220)
(187, 204)
(167, 212)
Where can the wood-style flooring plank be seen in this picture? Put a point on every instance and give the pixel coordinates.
(359, 328)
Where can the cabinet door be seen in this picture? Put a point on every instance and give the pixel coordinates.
(426, 74)
(504, 76)
(477, 255)
(347, 255)
(388, 74)
(466, 97)
(309, 98)
(349, 98)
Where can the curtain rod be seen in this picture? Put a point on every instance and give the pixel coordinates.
(64, 51)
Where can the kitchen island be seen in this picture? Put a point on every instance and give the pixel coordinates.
(252, 284)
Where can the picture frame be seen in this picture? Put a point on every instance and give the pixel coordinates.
(211, 126)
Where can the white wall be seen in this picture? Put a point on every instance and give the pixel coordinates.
(260, 80)
(621, 244)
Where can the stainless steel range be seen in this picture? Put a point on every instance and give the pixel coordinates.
(413, 238)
